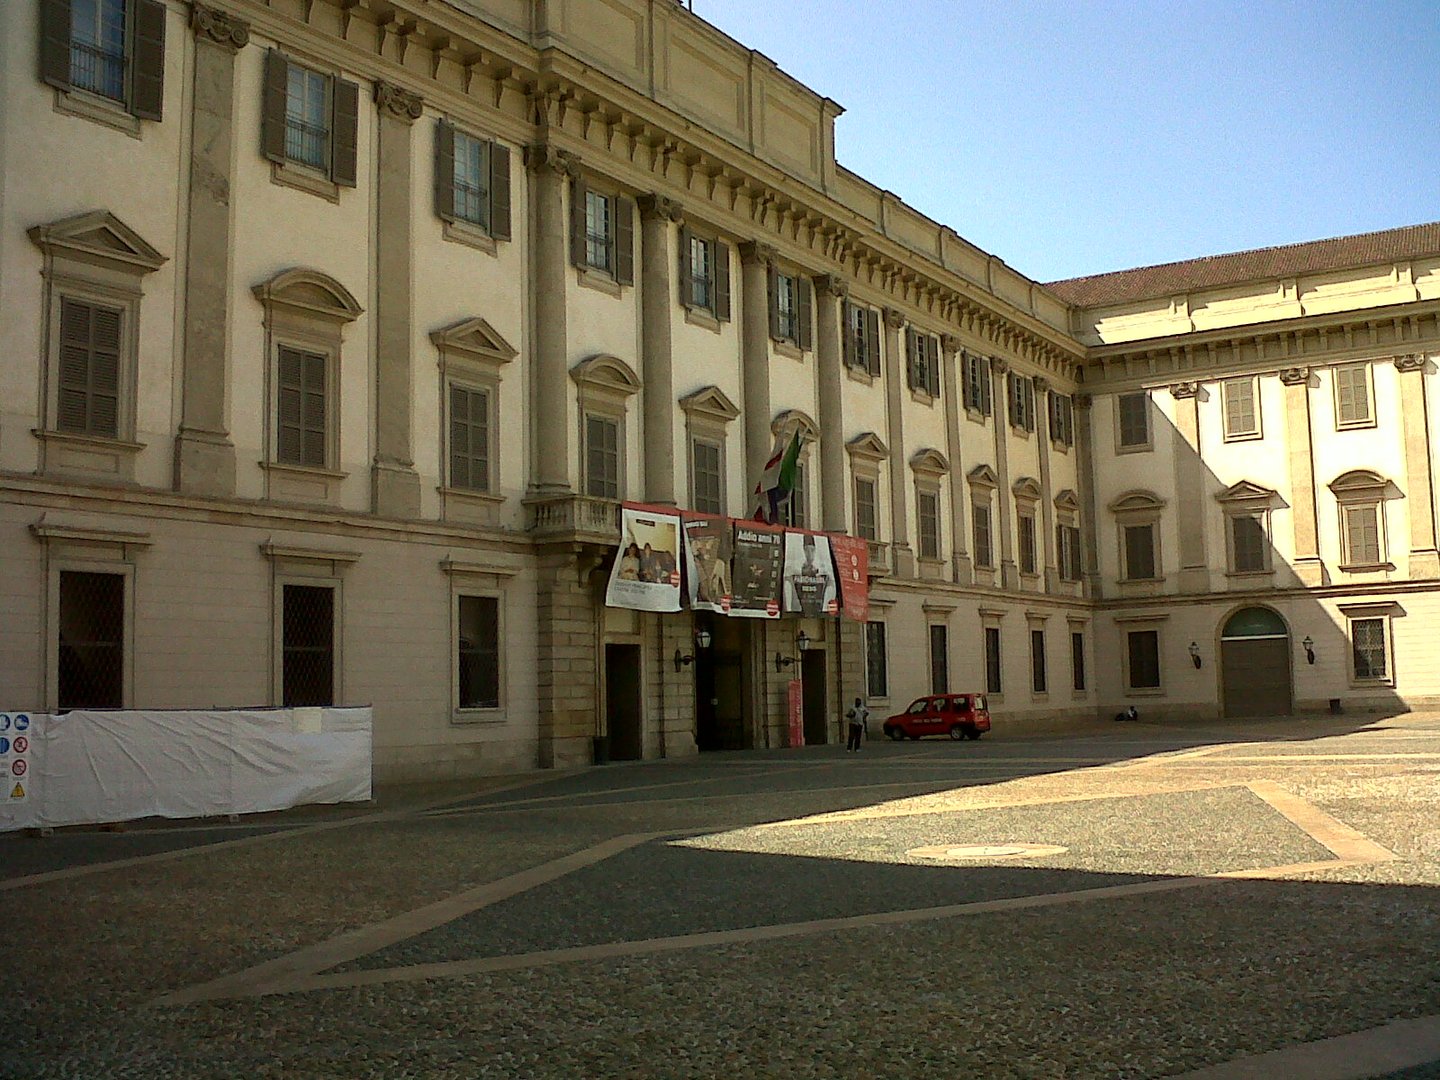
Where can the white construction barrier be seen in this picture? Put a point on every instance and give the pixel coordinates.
(86, 767)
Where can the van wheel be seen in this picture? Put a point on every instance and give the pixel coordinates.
(974, 733)
(894, 733)
(957, 733)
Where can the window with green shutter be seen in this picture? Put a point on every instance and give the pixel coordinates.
(927, 512)
(1240, 408)
(865, 520)
(302, 436)
(708, 476)
(1139, 552)
(1134, 413)
(88, 399)
(1352, 396)
(980, 520)
(1143, 649)
(311, 119)
(112, 49)
(977, 384)
(1248, 544)
(469, 438)
(602, 457)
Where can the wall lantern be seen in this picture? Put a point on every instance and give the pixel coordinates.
(802, 642)
(1309, 647)
(702, 641)
(1195, 653)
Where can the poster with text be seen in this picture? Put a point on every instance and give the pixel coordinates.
(646, 574)
(756, 568)
(852, 564)
(810, 587)
(708, 549)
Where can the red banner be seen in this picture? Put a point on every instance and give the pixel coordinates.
(852, 564)
(795, 708)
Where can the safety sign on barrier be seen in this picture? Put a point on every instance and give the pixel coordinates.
(19, 734)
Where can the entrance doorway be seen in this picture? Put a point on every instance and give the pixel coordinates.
(1255, 664)
(720, 685)
(622, 702)
(812, 674)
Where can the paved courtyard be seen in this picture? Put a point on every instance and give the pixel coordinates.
(1120, 900)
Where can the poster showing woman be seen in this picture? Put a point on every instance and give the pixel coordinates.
(810, 585)
(646, 574)
(707, 563)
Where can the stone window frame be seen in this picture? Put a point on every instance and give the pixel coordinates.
(1382, 613)
(1061, 412)
(930, 468)
(490, 581)
(884, 653)
(1079, 674)
(86, 547)
(342, 105)
(1067, 523)
(1027, 494)
(1121, 447)
(719, 308)
(306, 310)
(786, 420)
(92, 258)
(1020, 403)
(620, 237)
(867, 456)
(1245, 499)
(937, 618)
(604, 386)
(472, 355)
(311, 567)
(979, 388)
(863, 366)
(983, 485)
(709, 412)
(922, 364)
(1362, 489)
(800, 337)
(1255, 430)
(1035, 624)
(1142, 624)
(1367, 382)
(142, 97)
(1133, 509)
(455, 226)
(990, 623)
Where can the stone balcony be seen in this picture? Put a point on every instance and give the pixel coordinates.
(879, 558)
(573, 518)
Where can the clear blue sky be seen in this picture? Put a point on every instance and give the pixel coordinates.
(1074, 138)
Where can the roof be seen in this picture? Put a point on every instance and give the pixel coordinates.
(1316, 256)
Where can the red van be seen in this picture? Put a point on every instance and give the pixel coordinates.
(961, 716)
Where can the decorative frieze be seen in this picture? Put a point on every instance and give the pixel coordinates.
(398, 102)
(221, 27)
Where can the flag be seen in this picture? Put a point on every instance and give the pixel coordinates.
(777, 482)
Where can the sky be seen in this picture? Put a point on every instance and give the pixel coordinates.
(1072, 138)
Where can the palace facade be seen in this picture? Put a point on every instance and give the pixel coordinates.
(337, 331)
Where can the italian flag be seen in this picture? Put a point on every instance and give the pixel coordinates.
(778, 480)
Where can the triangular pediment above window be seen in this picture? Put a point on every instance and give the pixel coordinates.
(1137, 500)
(1246, 492)
(1359, 483)
(930, 461)
(867, 446)
(606, 372)
(1026, 489)
(98, 237)
(983, 476)
(310, 293)
(474, 339)
(1067, 501)
(787, 419)
(710, 402)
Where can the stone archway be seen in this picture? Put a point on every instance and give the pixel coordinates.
(1255, 676)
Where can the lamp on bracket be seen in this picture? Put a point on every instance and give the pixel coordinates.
(702, 641)
(1309, 646)
(802, 643)
(1195, 653)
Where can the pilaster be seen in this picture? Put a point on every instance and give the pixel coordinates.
(567, 676)
(961, 569)
(755, 262)
(204, 454)
(1307, 563)
(903, 558)
(829, 294)
(1085, 478)
(1420, 481)
(1047, 489)
(1190, 480)
(1009, 572)
(657, 214)
(550, 437)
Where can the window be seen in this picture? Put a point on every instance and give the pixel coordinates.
(793, 511)
(1026, 524)
(992, 660)
(1361, 526)
(1240, 409)
(1360, 497)
(1134, 413)
(939, 659)
(472, 181)
(984, 552)
(310, 119)
(91, 661)
(862, 339)
(877, 679)
(1368, 649)
(865, 520)
(922, 353)
(1143, 650)
(927, 510)
(112, 49)
(1352, 397)
(469, 438)
(1022, 402)
(302, 426)
(89, 372)
(977, 384)
(477, 664)
(307, 654)
(602, 233)
(707, 475)
(1077, 660)
(602, 457)
(1067, 545)
(1062, 419)
(1139, 552)
(1037, 661)
(1248, 546)
(790, 308)
(704, 274)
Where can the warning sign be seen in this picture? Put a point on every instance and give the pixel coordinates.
(18, 791)
(19, 767)
(22, 739)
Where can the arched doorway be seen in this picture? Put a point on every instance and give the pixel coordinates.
(1255, 664)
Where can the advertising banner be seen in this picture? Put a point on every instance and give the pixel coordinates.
(757, 565)
(708, 547)
(810, 586)
(795, 711)
(852, 563)
(646, 574)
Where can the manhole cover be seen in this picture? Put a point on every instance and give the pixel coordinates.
(962, 852)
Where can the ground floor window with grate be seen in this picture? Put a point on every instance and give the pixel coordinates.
(877, 676)
(479, 657)
(992, 660)
(939, 659)
(308, 646)
(92, 641)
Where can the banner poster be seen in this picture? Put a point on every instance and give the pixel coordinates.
(646, 574)
(810, 586)
(708, 549)
(795, 711)
(852, 561)
(757, 564)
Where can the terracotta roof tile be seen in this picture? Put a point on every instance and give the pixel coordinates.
(1316, 256)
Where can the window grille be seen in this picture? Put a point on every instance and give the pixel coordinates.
(1367, 637)
(91, 650)
(97, 47)
(1037, 661)
(939, 659)
(307, 117)
(877, 683)
(479, 652)
(308, 646)
(472, 180)
(992, 660)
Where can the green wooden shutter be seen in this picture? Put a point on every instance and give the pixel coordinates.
(872, 340)
(148, 61)
(444, 170)
(803, 308)
(772, 294)
(935, 367)
(624, 241)
(912, 340)
(687, 280)
(344, 132)
(55, 43)
(847, 335)
(289, 423)
(577, 223)
(722, 281)
(272, 117)
(499, 192)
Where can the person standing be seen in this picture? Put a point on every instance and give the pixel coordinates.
(859, 717)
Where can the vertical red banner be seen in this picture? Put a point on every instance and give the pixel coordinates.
(852, 567)
(795, 710)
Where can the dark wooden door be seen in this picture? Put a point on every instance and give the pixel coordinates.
(623, 708)
(1255, 676)
(812, 672)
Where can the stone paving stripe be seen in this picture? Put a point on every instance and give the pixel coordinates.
(1390, 1048)
(1345, 842)
(276, 976)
